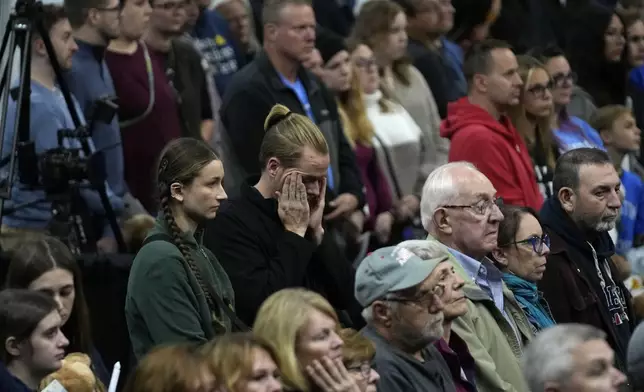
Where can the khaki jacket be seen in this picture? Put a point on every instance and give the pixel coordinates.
(492, 341)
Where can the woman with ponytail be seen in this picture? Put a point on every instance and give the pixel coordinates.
(177, 290)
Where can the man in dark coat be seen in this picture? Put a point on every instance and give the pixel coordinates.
(581, 282)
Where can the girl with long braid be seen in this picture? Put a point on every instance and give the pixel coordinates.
(177, 290)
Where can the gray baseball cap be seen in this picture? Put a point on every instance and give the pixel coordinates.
(391, 269)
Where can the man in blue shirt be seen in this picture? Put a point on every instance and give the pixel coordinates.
(48, 115)
(277, 75)
(459, 210)
(95, 23)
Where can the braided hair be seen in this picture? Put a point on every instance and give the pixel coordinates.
(181, 161)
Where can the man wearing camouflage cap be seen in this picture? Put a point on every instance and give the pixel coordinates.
(400, 294)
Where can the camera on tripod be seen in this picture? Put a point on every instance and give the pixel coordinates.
(61, 173)
(59, 167)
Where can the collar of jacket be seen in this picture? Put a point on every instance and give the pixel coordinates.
(265, 66)
(267, 206)
(194, 240)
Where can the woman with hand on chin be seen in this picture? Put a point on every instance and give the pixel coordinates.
(521, 255)
(302, 329)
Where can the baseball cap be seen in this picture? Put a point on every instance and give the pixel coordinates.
(391, 269)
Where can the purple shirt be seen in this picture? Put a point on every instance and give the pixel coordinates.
(143, 141)
(460, 362)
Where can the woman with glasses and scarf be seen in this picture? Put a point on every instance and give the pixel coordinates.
(521, 256)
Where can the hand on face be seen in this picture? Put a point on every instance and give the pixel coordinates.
(317, 208)
(331, 376)
(293, 206)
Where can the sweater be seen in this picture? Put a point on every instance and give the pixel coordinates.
(418, 100)
(89, 80)
(402, 372)
(164, 302)
(10, 383)
(495, 148)
(261, 257)
(398, 144)
(143, 141)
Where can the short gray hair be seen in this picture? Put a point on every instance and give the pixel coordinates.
(439, 190)
(548, 357)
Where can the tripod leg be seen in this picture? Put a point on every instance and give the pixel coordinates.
(17, 35)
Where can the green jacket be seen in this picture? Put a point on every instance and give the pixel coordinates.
(164, 302)
(490, 338)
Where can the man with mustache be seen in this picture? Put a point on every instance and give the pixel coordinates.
(401, 297)
(459, 209)
(581, 282)
(453, 349)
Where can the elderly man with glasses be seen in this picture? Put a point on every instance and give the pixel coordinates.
(459, 210)
(401, 297)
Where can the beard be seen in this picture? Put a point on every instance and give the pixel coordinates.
(414, 339)
(601, 224)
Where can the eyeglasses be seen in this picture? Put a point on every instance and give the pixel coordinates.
(109, 9)
(365, 63)
(482, 207)
(540, 90)
(424, 300)
(171, 6)
(536, 242)
(635, 39)
(363, 368)
(564, 78)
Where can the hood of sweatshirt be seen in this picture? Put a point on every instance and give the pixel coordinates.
(558, 221)
(463, 113)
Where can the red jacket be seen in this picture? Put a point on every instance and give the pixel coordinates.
(495, 148)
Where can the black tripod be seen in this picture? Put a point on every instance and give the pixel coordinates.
(18, 34)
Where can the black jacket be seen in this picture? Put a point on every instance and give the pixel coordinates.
(189, 79)
(524, 24)
(571, 284)
(249, 98)
(260, 257)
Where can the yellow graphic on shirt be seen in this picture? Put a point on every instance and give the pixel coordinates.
(219, 40)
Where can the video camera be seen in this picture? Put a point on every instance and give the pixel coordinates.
(59, 171)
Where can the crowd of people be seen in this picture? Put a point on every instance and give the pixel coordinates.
(330, 196)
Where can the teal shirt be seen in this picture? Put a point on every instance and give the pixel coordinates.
(165, 303)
